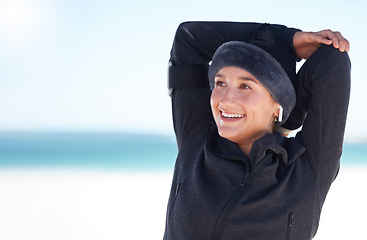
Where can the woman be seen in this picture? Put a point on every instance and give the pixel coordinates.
(236, 176)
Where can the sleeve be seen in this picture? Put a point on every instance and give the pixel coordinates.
(193, 47)
(323, 90)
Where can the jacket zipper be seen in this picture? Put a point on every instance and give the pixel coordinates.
(227, 209)
(169, 216)
(289, 225)
(174, 200)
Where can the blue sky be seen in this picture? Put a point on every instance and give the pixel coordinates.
(102, 65)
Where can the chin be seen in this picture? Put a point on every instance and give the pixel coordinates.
(231, 136)
(243, 137)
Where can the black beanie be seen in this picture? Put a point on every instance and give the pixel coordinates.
(261, 65)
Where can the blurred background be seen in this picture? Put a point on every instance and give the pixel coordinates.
(86, 141)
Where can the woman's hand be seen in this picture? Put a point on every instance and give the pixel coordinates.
(305, 43)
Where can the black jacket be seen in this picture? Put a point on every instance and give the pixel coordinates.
(276, 192)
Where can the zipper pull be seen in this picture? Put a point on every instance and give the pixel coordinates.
(290, 220)
(244, 180)
(178, 188)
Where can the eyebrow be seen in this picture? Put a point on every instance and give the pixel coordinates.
(241, 78)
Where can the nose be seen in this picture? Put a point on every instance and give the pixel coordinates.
(228, 98)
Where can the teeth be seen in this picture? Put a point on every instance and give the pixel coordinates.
(232, 115)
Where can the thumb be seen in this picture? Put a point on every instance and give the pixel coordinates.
(326, 41)
(321, 38)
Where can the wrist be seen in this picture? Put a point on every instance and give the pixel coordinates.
(285, 132)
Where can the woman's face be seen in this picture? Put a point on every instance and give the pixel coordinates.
(242, 108)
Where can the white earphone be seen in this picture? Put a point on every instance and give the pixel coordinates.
(280, 117)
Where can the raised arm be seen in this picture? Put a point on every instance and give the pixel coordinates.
(196, 42)
(323, 89)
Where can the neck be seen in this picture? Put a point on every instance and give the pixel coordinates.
(246, 148)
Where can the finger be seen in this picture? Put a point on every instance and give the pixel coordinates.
(343, 43)
(320, 38)
(332, 36)
(348, 46)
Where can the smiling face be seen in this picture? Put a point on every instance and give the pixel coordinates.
(242, 108)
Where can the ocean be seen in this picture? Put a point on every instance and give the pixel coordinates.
(108, 150)
(87, 150)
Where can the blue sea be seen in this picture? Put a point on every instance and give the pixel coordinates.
(108, 151)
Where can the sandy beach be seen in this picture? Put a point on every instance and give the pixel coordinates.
(106, 204)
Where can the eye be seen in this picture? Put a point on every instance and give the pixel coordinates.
(220, 84)
(245, 86)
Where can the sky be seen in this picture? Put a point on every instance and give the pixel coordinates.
(102, 65)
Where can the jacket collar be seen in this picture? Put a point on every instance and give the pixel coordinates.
(224, 148)
(288, 149)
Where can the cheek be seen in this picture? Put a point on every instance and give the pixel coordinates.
(268, 110)
(214, 100)
(261, 106)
